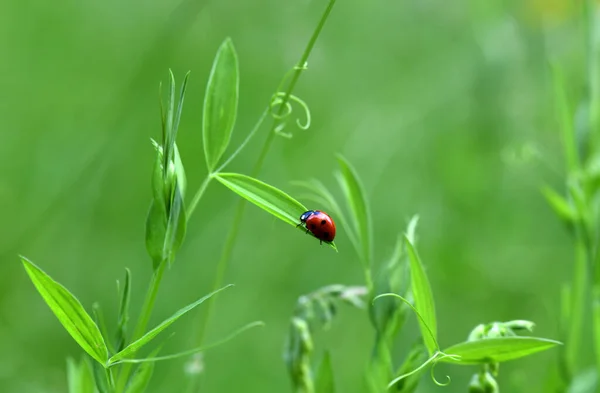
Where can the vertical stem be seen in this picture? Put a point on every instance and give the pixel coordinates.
(143, 321)
(235, 227)
(198, 195)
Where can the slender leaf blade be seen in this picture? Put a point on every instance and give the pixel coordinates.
(79, 376)
(69, 312)
(101, 378)
(325, 382)
(560, 205)
(146, 338)
(220, 104)
(357, 200)
(423, 296)
(124, 311)
(265, 196)
(143, 374)
(497, 350)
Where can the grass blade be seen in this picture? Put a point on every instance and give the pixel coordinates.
(423, 296)
(146, 338)
(324, 382)
(197, 349)
(357, 200)
(124, 312)
(497, 350)
(220, 104)
(141, 378)
(69, 312)
(560, 205)
(80, 376)
(267, 197)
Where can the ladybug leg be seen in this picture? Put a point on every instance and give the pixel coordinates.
(307, 230)
(321, 242)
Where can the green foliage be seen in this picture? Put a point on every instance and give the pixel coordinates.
(124, 312)
(324, 381)
(141, 377)
(146, 338)
(501, 349)
(357, 201)
(220, 104)
(69, 312)
(80, 376)
(166, 221)
(267, 197)
(423, 295)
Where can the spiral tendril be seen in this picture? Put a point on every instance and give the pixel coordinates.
(279, 99)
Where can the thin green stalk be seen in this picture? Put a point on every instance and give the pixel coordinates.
(235, 227)
(198, 195)
(142, 321)
(577, 307)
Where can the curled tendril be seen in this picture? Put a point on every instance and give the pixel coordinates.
(441, 356)
(433, 360)
(278, 99)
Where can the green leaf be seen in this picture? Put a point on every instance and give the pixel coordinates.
(145, 339)
(497, 350)
(141, 378)
(357, 200)
(385, 313)
(423, 296)
(193, 351)
(101, 378)
(324, 382)
(268, 198)
(124, 312)
(79, 376)
(220, 104)
(69, 312)
(176, 226)
(416, 357)
(560, 205)
(99, 321)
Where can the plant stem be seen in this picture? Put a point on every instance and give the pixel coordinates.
(143, 321)
(198, 195)
(235, 227)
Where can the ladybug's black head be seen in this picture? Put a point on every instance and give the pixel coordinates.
(305, 215)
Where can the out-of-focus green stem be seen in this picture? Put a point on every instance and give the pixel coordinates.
(142, 322)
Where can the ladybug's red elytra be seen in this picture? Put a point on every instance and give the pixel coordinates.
(319, 224)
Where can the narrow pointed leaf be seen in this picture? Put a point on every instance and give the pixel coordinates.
(559, 204)
(268, 198)
(324, 382)
(124, 311)
(497, 350)
(145, 339)
(80, 376)
(141, 378)
(69, 312)
(423, 296)
(357, 200)
(220, 104)
(100, 322)
(101, 378)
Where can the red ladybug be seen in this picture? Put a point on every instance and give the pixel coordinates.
(319, 224)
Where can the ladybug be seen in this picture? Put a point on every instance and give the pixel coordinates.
(319, 224)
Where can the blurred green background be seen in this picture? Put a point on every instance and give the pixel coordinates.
(432, 101)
